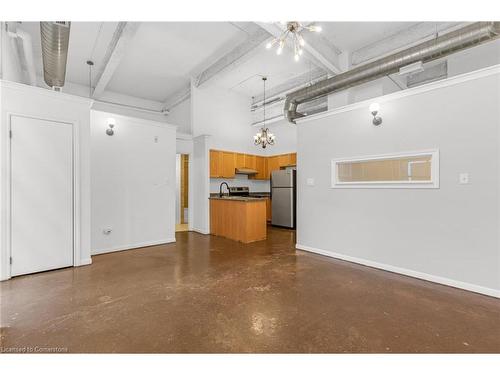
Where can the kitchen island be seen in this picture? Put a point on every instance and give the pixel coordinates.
(238, 218)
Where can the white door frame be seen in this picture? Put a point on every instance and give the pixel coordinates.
(190, 188)
(7, 252)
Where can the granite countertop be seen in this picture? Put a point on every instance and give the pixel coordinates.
(237, 198)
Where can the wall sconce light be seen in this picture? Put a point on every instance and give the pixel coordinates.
(374, 108)
(111, 124)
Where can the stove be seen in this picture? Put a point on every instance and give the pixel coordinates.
(241, 191)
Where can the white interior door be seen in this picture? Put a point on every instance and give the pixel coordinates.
(41, 195)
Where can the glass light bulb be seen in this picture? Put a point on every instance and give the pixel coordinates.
(269, 45)
(318, 29)
(301, 51)
(296, 57)
(279, 50)
(374, 107)
(302, 42)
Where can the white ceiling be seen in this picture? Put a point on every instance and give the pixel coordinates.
(88, 41)
(347, 36)
(351, 36)
(246, 78)
(162, 57)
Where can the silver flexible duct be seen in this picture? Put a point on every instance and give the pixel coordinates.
(55, 40)
(454, 41)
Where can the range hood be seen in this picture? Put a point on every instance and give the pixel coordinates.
(247, 171)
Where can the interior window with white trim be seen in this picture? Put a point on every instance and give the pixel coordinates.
(411, 170)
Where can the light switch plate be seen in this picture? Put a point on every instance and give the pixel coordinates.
(463, 178)
(310, 181)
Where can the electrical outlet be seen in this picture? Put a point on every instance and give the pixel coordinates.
(310, 181)
(107, 231)
(463, 178)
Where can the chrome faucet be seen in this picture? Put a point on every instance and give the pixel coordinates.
(220, 188)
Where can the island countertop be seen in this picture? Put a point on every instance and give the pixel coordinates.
(238, 198)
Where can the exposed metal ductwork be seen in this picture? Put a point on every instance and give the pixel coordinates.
(444, 45)
(55, 40)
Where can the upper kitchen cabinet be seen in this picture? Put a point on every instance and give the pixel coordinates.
(273, 164)
(224, 163)
(261, 168)
(287, 160)
(228, 164)
(215, 163)
(250, 161)
(239, 160)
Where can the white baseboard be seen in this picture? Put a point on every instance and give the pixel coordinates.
(84, 262)
(133, 246)
(201, 231)
(403, 271)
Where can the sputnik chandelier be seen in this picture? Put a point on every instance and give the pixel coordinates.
(264, 137)
(293, 30)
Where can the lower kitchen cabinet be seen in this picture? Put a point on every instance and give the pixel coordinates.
(240, 220)
(269, 215)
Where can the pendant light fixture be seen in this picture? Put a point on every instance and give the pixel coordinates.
(294, 30)
(264, 137)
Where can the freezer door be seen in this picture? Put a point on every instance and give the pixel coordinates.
(282, 207)
(282, 178)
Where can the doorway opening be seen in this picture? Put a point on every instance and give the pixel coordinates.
(182, 193)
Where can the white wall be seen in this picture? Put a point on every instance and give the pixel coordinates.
(133, 183)
(183, 145)
(32, 101)
(199, 168)
(180, 115)
(255, 186)
(225, 116)
(286, 138)
(448, 235)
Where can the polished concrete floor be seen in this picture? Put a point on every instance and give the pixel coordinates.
(209, 294)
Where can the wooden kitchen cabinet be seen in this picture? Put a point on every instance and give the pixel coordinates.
(250, 161)
(260, 167)
(241, 220)
(269, 216)
(215, 164)
(284, 160)
(239, 160)
(223, 163)
(287, 160)
(228, 164)
(273, 164)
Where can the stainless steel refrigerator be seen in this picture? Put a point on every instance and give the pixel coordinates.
(283, 198)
